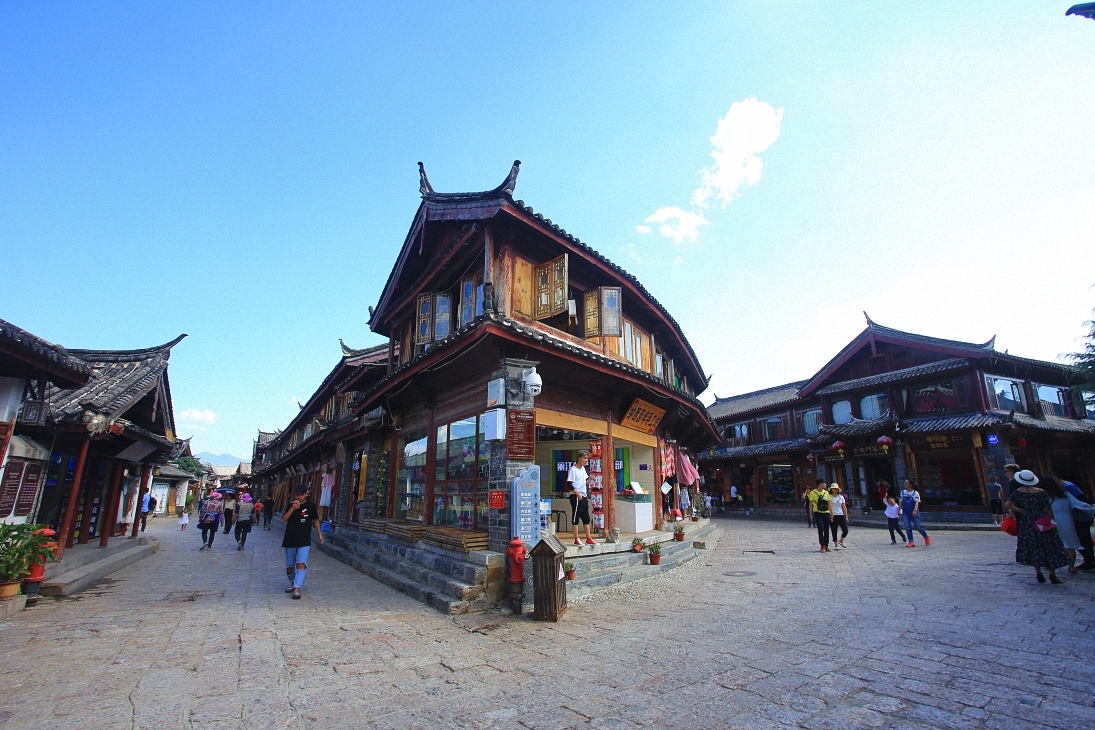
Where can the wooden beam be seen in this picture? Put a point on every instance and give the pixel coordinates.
(64, 539)
(146, 476)
(545, 417)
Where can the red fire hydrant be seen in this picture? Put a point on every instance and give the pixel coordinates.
(32, 583)
(517, 554)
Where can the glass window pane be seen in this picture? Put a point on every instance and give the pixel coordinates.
(462, 449)
(842, 412)
(1008, 394)
(874, 406)
(811, 422)
(442, 443)
(936, 398)
(482, 513)
(411, 490)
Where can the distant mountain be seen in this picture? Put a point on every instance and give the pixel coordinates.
(218, 459)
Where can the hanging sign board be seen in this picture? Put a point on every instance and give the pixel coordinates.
(28, 493)
(497, 499)
(941, 441)
(643, 417)
(525, 505)
(9, 488)
(521, 435)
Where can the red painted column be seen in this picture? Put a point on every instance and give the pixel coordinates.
(108, 521)
(146, 477)
(64, 539)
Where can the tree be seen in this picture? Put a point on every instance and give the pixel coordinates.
(190, 464)
(1084, 361)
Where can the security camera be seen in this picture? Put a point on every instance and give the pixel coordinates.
(533, 382)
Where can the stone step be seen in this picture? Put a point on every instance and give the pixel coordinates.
(472, 568)
(73, 581)
(78, 556)
(621, 560)
(441, 583)
(591, 583)
(443, 603)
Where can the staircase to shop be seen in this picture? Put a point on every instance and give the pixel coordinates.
(597, 572)
(452, 582)
(84, 565)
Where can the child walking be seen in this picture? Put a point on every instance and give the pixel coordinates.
(184, 521)
(893, 516)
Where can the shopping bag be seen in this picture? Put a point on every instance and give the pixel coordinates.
(1045, 524)
(1010, 526)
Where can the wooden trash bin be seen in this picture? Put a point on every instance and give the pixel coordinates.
(549, 589)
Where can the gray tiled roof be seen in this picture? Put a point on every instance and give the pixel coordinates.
(768, 447)
(66, 370)
(931, 368)
(724, 408)
(119, 379)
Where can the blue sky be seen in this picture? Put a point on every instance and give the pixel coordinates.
(245, 173)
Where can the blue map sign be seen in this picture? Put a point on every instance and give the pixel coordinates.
(525, 505)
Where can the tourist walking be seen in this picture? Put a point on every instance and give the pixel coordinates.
(209, 519)
(184, 520)
(245, 513)
(1038, 544)
(819, 504)
(808, 503)
(146, 506)
(577, 478)
(910, 510)
(267, 511)
(298, 519)
(1082, 519)
(1010, 470)
(230, 504)
(838, 508)
(893, 513)
(1065, 508)
(996, 499)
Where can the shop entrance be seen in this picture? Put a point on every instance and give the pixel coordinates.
(781, 484)
(949, 481)
(879, 475)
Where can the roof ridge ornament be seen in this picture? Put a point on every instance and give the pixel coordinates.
(510, 182)
(424, 186)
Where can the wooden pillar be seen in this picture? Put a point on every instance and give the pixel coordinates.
(431, 466)
(608, 476)
(64, 540)
(393, 473)
(89, 503)
(146, 477)
(108, 520)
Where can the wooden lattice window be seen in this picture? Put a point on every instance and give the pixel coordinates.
(551, 288)
(592, 311)
(424, 314)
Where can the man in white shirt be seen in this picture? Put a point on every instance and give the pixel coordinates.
(578, 478)
(733, 496)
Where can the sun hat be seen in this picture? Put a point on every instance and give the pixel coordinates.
(245, 498)
(215, 495)
(833, 486)
(1027, 478)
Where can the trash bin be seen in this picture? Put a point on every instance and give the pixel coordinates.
(549, 590)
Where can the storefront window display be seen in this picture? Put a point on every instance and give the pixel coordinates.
(460, 474)
(781, 484)
(411, 489)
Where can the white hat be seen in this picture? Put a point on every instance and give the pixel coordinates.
(1026, 478)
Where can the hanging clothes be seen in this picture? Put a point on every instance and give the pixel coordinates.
(686, 473)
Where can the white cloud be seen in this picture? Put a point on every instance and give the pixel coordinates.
(687, 225)
(194, 415)
(748, 129)
(643, 229)
(632, 253)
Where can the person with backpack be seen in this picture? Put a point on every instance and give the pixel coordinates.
(910, 510)
(819, 506)
(209, 519)
(245, 512)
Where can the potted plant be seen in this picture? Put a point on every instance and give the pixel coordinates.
(20, 546)
(695, 517)
(569, 568)
(655, 552)
(45, 548)
(637, 544)
(678, 532)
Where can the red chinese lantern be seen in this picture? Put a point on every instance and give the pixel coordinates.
(810, 457)
(885, 441)
(1023, 445)
(837, 445)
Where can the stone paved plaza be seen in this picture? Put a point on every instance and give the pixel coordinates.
(951, 636)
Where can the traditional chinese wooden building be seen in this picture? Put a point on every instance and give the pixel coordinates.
(99, 421)
(893, 404)
(486, 299)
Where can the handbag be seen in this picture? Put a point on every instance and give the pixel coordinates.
(1009, 525)
(1045, 524)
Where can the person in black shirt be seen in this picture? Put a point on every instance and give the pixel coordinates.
(267, 512)
(298, 520)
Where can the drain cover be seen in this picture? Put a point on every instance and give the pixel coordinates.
(768, 552)
(739, 573)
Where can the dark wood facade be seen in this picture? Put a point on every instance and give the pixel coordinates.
(893, 405)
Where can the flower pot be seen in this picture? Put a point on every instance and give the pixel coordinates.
(10, 589)
(695, 518)
(678, 536)
(655, 559)
(570, 575)
(637, 548)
